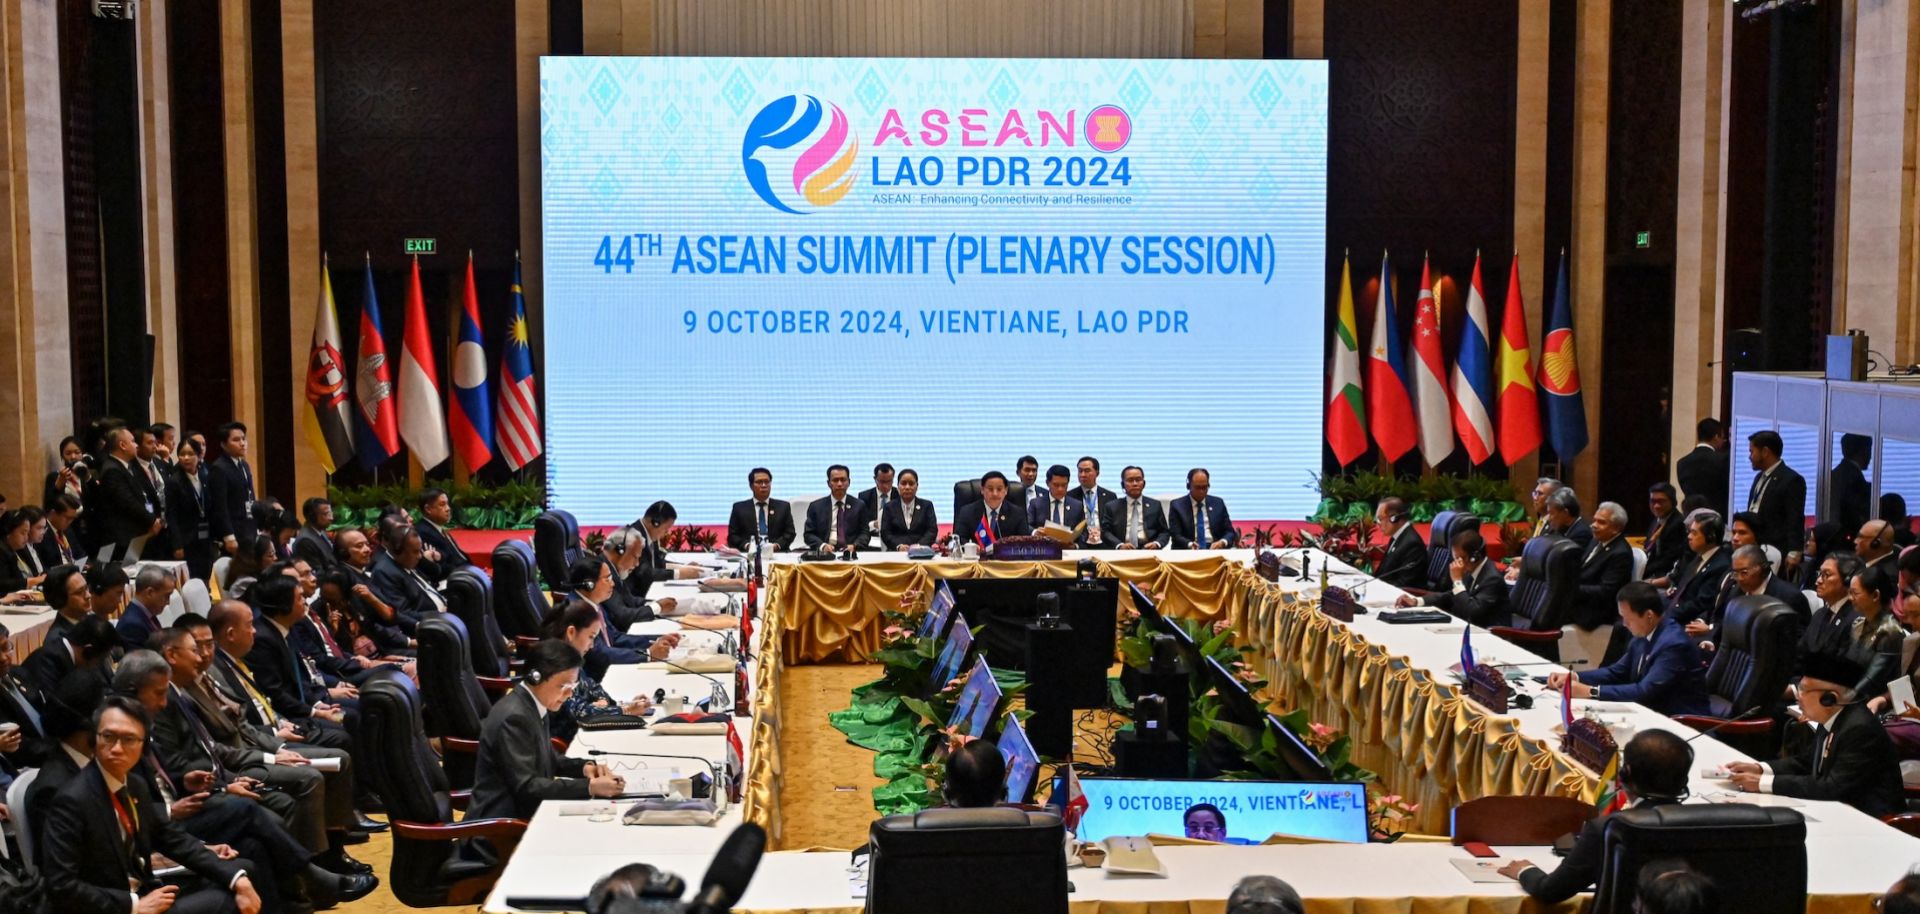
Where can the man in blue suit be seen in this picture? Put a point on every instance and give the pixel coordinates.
(152, 588)
(1053, 506)
(1661, 668)
(1200, 521)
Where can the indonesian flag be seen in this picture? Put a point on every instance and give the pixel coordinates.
(1519, 403)
(1346, 400)
(1076, 802)
(1430, 375)
(1472, 384)
(1388, 407)
(423, 424)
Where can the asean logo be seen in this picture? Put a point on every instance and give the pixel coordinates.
(810, 139)
(1558, 373)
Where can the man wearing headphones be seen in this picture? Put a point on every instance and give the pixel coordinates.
(1849, 759)
(621, 551)
(1475, 590)
(1876, 546)
(1653, 772)
(591, 581)
(1405, 564)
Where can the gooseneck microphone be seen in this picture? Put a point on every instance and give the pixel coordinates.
(1756, 709)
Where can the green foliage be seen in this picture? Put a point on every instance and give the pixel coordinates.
(509, 505)
(1348, 497)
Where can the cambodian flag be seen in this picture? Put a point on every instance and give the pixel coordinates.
(373, 386)
(471, 420)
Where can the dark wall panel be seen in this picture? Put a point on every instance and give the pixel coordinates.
(200, 214)
(270, 210)
(1420, 150)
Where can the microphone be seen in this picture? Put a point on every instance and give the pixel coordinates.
(1301, 551)
(732, 868)
(717, 792)
(1731, 720)
(719, 697)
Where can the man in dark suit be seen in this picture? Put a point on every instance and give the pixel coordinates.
(1405, 562)
(398, 582)
(233, 675)
(762, 515)
(1876, 545)
(30, 745)
(1705, 471)
(1135, 521)
(1094, 498)
(1604, 568)
(1750, 574)
(833, 523)
(1666, 535)
(591, 582)
(994, 512)
(118, 511)
(1694, 586)
(312, 542)
(1830, 629)
(1661, 668)
(1200, 521)
(59, 547)
(1653, 772)
(1055, 506)
(1778, 494)
(443, 556)
(1025, 486)
(102, 827)
(151, 474)
(909, 521)
(1476, 591)
(1849, 495)
(276, 668)
(1563, 518)
(89, 645)
(1849, 760)
(874, 502)
(152, 587)
(230, 490)
(518, 767)
(621, 551)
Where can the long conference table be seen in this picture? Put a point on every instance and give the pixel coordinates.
(1389, 686)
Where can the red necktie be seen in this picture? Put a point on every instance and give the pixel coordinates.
(333, 647)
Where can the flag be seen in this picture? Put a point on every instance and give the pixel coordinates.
(1347, 404)
(1566, 703)
(1466, 650)
(735, 771)
(1472, 387)
(373, 386)
(516, 413)
(1388, 407)
(1610, 798)
(983, 533)
(329, 421)
(422, 424)
(746, 614)
(1560, 376)
(1430, 375)
(469, 415)
(1519, 410)
(1075, 804)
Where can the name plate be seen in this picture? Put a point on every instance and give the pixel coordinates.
(1590, 743)
(1488, 686)
(1267, 566)
(1026, 549)
(1338, 602)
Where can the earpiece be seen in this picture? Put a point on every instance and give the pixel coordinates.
(1829, 700)
(534, 677)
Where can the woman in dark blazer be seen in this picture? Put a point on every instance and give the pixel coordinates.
(911, 521)
(187, 512)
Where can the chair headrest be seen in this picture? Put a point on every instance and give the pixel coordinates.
(954, 819)
(1539, 553)
(1715, 817)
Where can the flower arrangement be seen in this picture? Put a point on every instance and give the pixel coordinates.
(1349, 497)
(508, 506)
(687, 538)
(1389, 815)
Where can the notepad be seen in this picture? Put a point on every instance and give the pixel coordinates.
(1900, 694)
(1481, 870)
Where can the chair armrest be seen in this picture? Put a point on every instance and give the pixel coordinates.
(1702, 723)
(462, 746)
(459, 799)
(495, 685)
(525, 641)
(559, 745)
(1913, 792)
(471, 828)
(1526, 635)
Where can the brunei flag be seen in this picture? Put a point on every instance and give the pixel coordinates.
(329, 421)
(1519, 407)
(1346, 402)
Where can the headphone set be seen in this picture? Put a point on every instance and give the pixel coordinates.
(1879, 539)
(1626, 777)
(533, 677)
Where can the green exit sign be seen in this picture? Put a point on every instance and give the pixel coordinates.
(1643, 240)
(427, 245)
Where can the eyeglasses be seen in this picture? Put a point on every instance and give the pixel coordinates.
(1825, 574)
(105, 738)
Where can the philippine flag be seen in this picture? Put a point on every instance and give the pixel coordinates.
(471, 420)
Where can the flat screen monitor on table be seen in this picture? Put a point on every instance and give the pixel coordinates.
(953, 655)
(939, 612)
(1233, 812)
(1245, 709)
(1023, 763)
(973, 711)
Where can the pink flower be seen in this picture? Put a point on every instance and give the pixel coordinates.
(894, 631)
(1321, 730)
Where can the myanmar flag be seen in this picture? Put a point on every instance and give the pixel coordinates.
(1346, 403)
(1519, 404)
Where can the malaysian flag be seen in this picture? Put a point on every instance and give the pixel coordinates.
(517, 414)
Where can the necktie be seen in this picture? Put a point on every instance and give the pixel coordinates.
(253, 691)
(168, 793)
(1059, 513)
(438, 601)
(246, 473)
(1200, 539)
(1759, 489)
(24, 706)
(1133, 521)
(1093, 512)
(834, 536)
(333, 647)
(200, 733)
(129, 825)
(1640, 667)
(760, 511)
(993, 523)
(605, 638)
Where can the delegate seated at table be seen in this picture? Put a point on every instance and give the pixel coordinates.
(1135, 521)
(1851, 760)
(992, 513)
(762, 515)
(909, 520)
(1661, 669)
(1478, 592)
(1200, 521)
(1405, 562)
(518, 767)
(1653, 772)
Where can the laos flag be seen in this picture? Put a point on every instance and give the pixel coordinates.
(471, 419)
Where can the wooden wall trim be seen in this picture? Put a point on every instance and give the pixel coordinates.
(1588, 280)
(1699, 229)
(300, 102)
(156, 153)
(243, 296)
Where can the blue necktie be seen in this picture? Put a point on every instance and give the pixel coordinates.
(761, 510)
(1200, 539)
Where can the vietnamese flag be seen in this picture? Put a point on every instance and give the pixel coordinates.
(1388, 406)
(1519, 404)
(1346, 403)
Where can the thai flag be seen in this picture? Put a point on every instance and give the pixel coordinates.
(471, 417)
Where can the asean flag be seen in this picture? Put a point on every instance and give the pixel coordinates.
(1560, 376)
(470, 420)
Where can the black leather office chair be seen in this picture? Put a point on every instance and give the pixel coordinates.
(1542, 595)
(1755, 855)
(518, 601)
(428, 868)
(967, 491)
(470, 597)
(1439, 553)
(456, 700)
(998, 854)
(556, 543)
(1752, 662)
